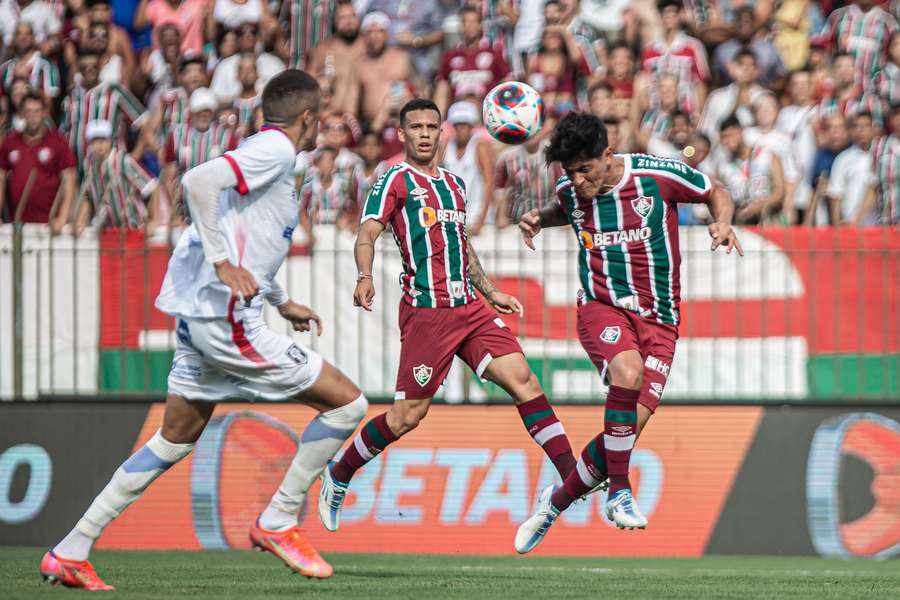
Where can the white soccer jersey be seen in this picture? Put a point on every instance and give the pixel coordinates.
(257, 219)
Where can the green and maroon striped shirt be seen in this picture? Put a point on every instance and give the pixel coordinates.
(187, 147)
(117, 187)
(107, 101)
(864, 35)
(428, 218)
(628, 236)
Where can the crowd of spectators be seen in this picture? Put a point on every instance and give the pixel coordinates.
(793, 104)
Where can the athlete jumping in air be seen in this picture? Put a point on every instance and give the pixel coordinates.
(440, 315)
(244, 207)
(624, 211)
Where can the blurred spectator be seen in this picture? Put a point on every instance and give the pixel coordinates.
(28, 62)
(620, 77)
(117, 42)
(17, 90)
(44, 22)
(614, 134)
(656, 121)
(736, 98)
(123, 13)
(764, 134)
(193, 17)
(249, 98)
(116, 191)
(469, 156)
(231, 14)
(889, 79)
(748, 35)
(196, 142)
(554, 70)
(752, 174)
(600, 100)
(671, 143)
(37, 167)
(852, 178)
(161, 65)
(643, 24)
(172, 107)
(415, 25)
(528, 28)
(834, 140)
(679, 54)
(374, 166)
(471, 68)
(327, 197)
(845, 97)
(499, 21)
(91, 98)
(340, 131)
(383, 71)
(566, 13)
(794, 21)
(112, 66)
(607, 17)
(335, 59)
(524, 181)
(886, 159)
(225, 84)
(310, 23)
(862, 29)
(797, 122)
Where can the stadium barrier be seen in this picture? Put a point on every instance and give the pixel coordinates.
(800, 480)
(807, 314)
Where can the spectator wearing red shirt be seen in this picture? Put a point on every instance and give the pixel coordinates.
(472, 67)
(34, 164)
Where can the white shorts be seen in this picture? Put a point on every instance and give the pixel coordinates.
(241, 358)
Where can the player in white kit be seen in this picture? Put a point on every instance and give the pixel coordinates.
(244, 208)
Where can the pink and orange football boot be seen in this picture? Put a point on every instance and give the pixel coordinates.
(71, 573)
(293, 548)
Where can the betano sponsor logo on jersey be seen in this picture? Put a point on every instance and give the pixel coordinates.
(428, 216)
(613, 238)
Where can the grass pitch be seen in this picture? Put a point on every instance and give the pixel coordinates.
(242, 575)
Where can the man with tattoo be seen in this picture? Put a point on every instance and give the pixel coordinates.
(440, 314)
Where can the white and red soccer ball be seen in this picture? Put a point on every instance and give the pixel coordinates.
(513, 112)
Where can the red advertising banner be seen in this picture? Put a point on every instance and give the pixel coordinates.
(461, 483)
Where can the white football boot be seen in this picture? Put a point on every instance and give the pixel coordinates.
(331, 499)
(622, 509)
(533, 530)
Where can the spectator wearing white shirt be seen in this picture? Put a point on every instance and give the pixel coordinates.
(38, 13)
(225, 84)
(735, 98)
(764, 133)
(852, 177)
(796, 121)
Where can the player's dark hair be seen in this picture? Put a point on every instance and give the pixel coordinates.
(663, 4)
(288, 95)
(578, 136)
(418, 104)
(746, 51)
(729, 122)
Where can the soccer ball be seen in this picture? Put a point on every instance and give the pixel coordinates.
(513, 112)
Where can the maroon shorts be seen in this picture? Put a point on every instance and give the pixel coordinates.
(605, 331)
(431, 337)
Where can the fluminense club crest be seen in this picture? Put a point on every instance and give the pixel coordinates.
(422, 373)
(642, 205)
(611, 334)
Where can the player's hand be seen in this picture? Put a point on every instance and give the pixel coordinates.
(530, 226)
(364, 293)
(301, 317)
(239, 281)
(723, 235)
(506, 304)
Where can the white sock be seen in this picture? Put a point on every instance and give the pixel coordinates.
(321, 439)
(127, 484)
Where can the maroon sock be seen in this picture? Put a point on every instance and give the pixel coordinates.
(548, 432)
(368, 443)
(619, 433)
(589, 472)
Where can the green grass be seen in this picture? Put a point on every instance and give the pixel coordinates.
(242, 575)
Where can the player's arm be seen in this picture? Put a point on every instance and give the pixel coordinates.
(534, 220)
(722, 210)
(201, 187)
(503, 303)
(364, 251)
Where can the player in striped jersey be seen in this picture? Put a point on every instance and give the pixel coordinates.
(440, 315)
(92, 100)
(623, 209)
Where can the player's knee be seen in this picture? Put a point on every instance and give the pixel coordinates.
(410, 417)
(349, 415)
(629, 376)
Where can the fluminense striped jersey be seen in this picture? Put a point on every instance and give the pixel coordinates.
(628, 237)
(428, 218)
(42, 74)
(117, 187)
(187, 147)
(311, 22)
(107, 101)
(326, 205)
(175, 110)
(244, 108)
(865, 35)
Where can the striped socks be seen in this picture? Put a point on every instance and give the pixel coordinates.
(607, 454)
(368, 443)
(548, 432)
(619, 433)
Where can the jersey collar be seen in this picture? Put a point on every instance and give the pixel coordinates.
(267, 127)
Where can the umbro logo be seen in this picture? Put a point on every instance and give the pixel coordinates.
(577, 213)
(419, 193)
